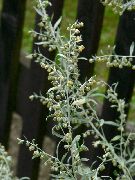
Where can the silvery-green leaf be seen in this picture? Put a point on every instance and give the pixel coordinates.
(41, 43)
(132, 48)
(57, 23)
(116, 138)
(38, 11)
(62, 55)
(84, 159)
(76, 139)
(111, 123)
(79, 102)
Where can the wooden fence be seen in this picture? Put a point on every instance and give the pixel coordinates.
(16, 78)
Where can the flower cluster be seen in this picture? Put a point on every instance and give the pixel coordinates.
(113, 60)
(119, 6)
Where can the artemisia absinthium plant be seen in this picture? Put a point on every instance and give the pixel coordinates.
(6, 172)
(5, 165)
(72, 103)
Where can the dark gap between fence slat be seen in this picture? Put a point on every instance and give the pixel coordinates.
(126, 77)
(33, 113)
(12, 19)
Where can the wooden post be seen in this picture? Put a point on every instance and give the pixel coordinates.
(91, 13)
(33, 113)
(12, 19)
(1, 57)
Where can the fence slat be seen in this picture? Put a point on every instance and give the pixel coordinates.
(34, 114)
(1, 57)
(91, 13)
(12, 19)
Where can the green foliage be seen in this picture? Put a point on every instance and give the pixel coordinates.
(72, 103)
(6, 172)
(5, 165)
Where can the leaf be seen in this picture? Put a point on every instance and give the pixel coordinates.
(79, 102)
(74, 143)
(63, 157)
(38, 11)
(62, 55)
(84, 159)
(41, 43)
(76, 139)
(132, 48)
(111, 123)
(57, 23)
(116, 138)
(113, 106)
(82, 58)
(98, 95)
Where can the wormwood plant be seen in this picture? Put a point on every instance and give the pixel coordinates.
(6, 166)
(72, 103)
